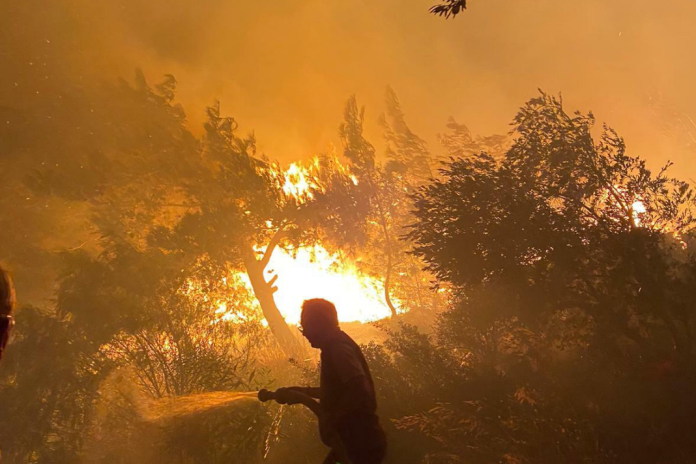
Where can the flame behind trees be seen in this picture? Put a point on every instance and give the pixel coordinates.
(157, 209)
(247, 208)
(566, 279)
(386, 187)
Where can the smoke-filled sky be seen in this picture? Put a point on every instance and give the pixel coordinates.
(284, 68)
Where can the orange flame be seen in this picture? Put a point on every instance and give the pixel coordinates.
(315, 273)
(303, 273)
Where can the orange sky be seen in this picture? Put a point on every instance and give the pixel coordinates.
(285, 68)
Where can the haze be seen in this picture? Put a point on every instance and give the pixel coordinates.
(285, 68)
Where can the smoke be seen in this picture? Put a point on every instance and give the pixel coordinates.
(285, 68)
(128, 426)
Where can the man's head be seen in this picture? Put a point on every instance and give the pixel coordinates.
(7, 303)
(319, 321)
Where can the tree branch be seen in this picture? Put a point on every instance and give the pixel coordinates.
(280, 234)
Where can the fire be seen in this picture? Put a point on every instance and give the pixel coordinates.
(316, 273)
(299, 182)
(638, 210)
(304, 273)
(639, 207)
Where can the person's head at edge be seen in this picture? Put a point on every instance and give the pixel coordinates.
(7, 303)
(319, 321)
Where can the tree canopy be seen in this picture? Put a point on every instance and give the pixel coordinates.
(558, 271)
(570, 266)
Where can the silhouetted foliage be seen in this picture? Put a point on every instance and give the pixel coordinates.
(569, 333)
(383, 187)
(449, 9)
(567, 268)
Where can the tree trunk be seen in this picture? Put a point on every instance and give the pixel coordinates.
(263, 290)
(387, 292)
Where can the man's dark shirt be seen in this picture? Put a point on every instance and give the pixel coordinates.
(342, 361)
(348, 397)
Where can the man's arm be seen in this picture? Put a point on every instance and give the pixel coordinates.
(313, 392)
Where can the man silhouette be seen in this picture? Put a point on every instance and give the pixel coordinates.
(7, 303)
(346, 391)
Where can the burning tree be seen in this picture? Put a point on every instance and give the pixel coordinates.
(247, 207)
(171, 228)
(385, 188)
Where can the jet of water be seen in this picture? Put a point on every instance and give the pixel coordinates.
(167, 409)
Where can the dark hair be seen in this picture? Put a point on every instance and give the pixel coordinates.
(320, 310)
(7, 294)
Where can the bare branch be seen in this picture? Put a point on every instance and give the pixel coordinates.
(280, 234)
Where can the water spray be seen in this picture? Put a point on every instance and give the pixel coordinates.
(179, 407)
(288, 396)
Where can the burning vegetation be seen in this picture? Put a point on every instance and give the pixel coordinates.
(520, 298)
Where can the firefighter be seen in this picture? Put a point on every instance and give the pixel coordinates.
(346, 391)
(7, 303)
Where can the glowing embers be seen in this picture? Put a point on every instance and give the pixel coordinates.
(638, 210)
(300, 182)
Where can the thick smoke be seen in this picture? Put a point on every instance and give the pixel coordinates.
(285, 68)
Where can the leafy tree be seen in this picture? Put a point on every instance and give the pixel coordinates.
(242, 212)
(47, 386)
(115, 193)
(460, 142)
(383, 186)
(408, 154)
(569, 333)
(372, 181)
(58, 184)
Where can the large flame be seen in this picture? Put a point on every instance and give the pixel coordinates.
(300, 182)
(308, 272)
(638, 210)
(316, 273)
